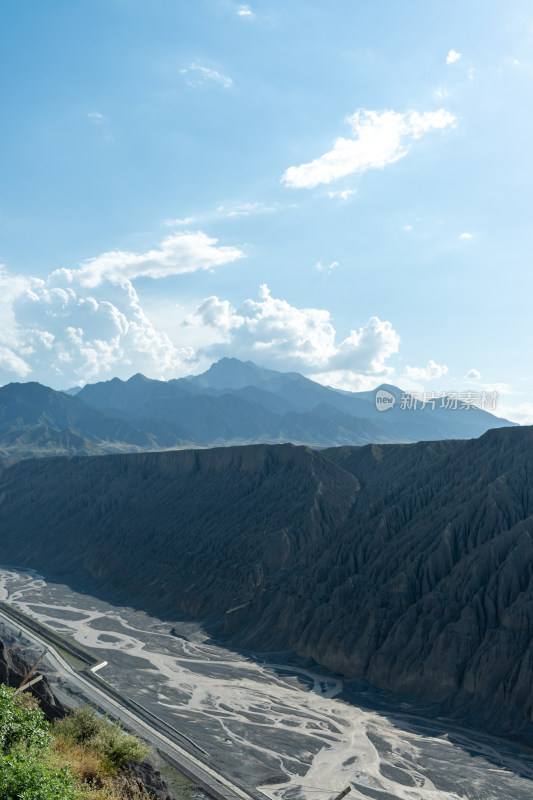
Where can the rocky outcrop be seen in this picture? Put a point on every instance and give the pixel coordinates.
(14, 668)
(409, 565)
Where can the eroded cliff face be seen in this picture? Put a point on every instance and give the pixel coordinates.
(410, 565)
(435, 565)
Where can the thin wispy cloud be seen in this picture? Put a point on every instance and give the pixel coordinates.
(100, 122)
(344, 194)
(202, 74)
(96, 117)
(245, 11)
(453, 56)
(177, 223)
(465, 236)
(326, 267)
(245, 210)
(521, 413)
(379, 138)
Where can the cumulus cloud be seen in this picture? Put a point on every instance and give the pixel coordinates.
(88, 324)
(427, 373)
(203, 74)
(245, 11)
(177, 254)
(453, 56)
(465, 236)
(379, 138)
(283, 336)
(59, 328)
(12, 350)
(473, 375)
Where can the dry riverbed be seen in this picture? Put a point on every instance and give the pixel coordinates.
(275, 723)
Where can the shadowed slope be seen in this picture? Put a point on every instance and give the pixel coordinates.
(411, 565)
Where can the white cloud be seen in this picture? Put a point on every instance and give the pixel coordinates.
(348, 381)
(13, 364)
(101, 122)
(442, 93)
(245, 11)
(283, 336)
(204, 74)
(96, 117)
(12, 351)
(245, 210)
(177, 223)
(326, 267)
(453, 56)
(465, 236)
(408, 228)
(500, 388)
(380, 138)
(427, 373)
(216, 314)
(473, 375)
(88, 323)
(344, 194)
(521, 413)
(177, 254)
(58, 328)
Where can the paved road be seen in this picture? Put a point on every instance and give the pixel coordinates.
(217, 785)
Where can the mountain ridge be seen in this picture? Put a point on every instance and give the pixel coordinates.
(232, 403)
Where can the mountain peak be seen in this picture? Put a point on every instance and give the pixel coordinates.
(230, 373)
(139, 378)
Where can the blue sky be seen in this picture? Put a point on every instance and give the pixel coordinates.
(343, 189)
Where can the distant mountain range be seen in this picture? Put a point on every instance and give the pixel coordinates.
(408, 565)
(232, 403)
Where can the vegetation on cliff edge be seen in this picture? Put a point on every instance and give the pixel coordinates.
(77, 758)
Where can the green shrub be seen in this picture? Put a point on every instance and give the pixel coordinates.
(103, 736)
(118, 747)
(24, 775)
(81, 725)
(19, 726)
